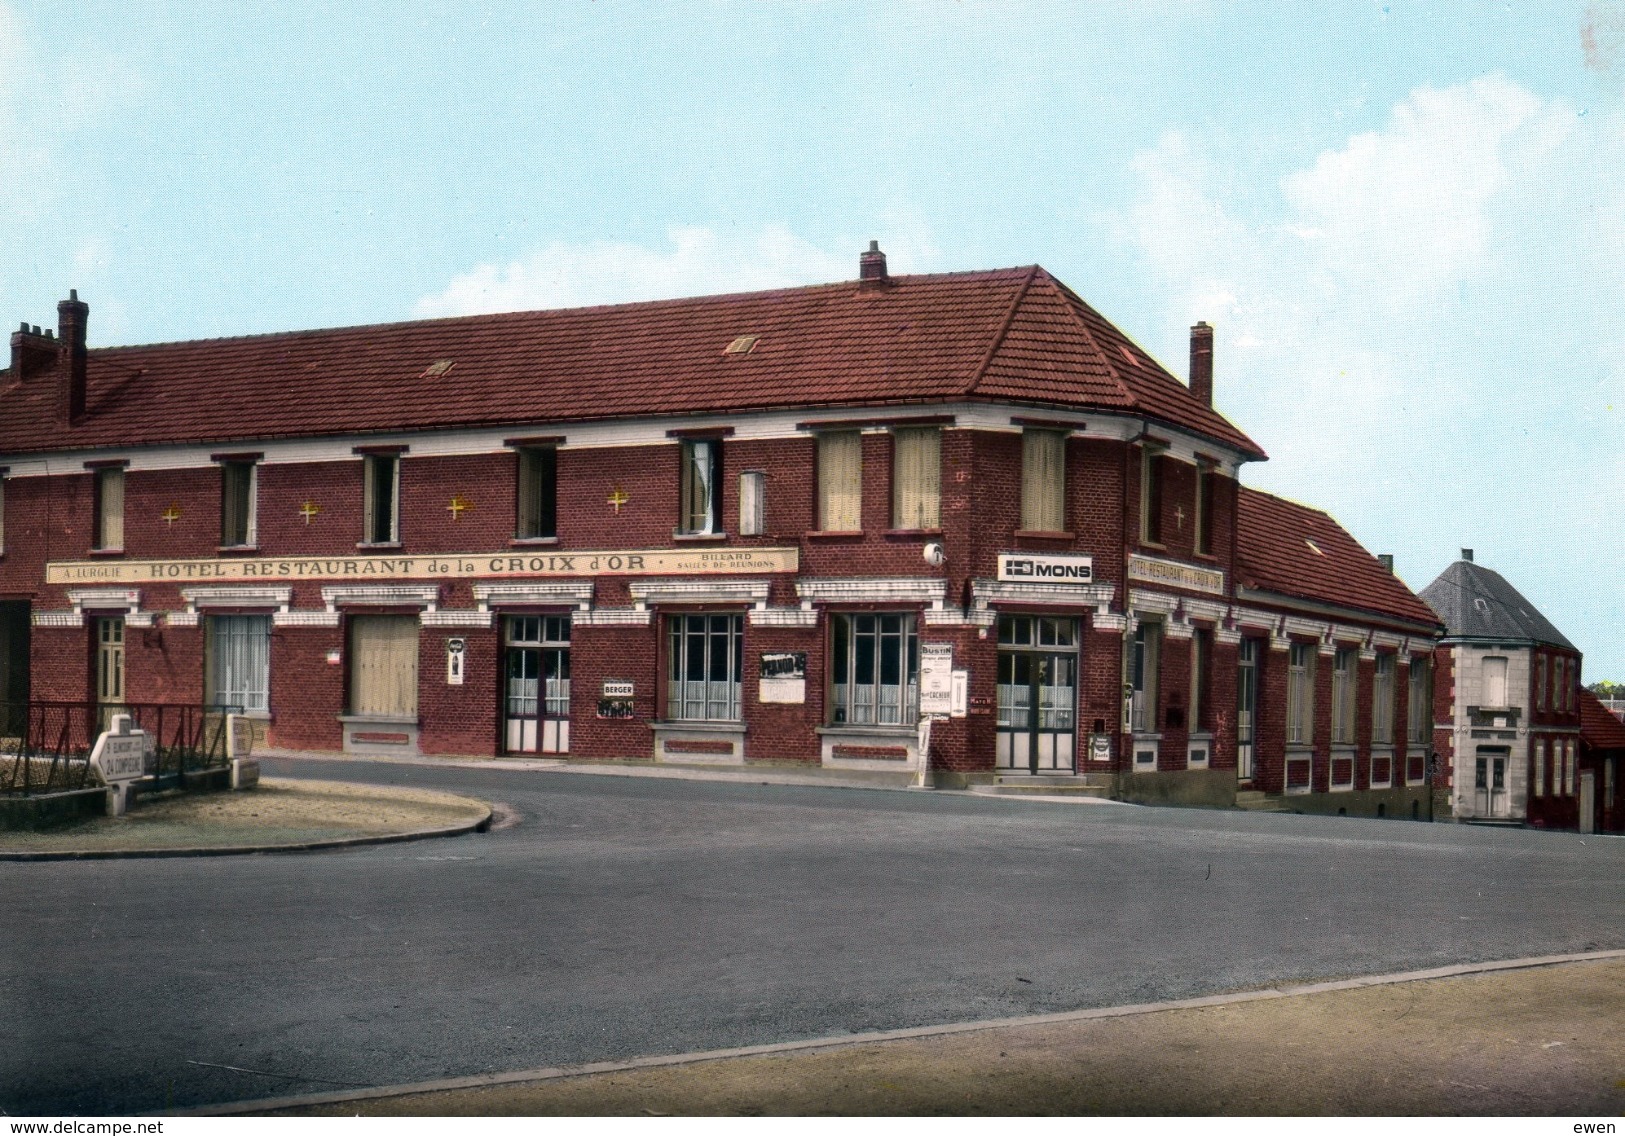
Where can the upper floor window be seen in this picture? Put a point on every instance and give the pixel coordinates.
(840, 481)
(752, 503)
(700, 486)
(1146, 665)
(1571, 681)
(109, 531)
(2, 509)
(382, 480)
(1205, 479)
(1300, 694)
(1421, 700)
(1043, 480)
(537, 497)
(874, 669)
(1540, 681)
(1150, 495)
(238, 480)
(1382, 701)
(1495, 681)
(917, 477)
(1345, 671)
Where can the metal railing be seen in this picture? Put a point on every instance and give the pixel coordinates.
(45, 746)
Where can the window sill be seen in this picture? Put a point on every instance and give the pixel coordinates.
(848, 729)
(833, 534)
(237, 549)
(913, 533)
(532, 541)
(1045, 534)
(379, 719)
(106, 552)
(697, 537)
(1152, 544)
(382, 545)
(699, 725)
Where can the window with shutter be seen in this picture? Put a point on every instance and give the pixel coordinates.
(384, 666)
(109, 509)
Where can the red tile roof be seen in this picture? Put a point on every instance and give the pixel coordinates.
(1599, 729)
(1011, 334)
(1277, 543)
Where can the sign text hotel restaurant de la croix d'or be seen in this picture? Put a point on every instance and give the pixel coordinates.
(646, 562)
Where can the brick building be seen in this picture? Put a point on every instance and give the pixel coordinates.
(776, 526)
(1508, 702)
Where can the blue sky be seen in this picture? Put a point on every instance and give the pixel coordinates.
(1406, 221)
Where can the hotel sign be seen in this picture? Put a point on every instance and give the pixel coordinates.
(1150, 570)
(487, 565)
(1049, 568)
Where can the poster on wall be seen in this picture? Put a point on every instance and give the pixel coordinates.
(936, 678)
(615, 699)
(784, 677)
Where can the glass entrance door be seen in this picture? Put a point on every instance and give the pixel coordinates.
(1038, 694)
(109, 676)
(1490, 781)
(536, 702)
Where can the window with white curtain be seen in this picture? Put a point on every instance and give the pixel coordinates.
(1300, 694)
(917, 477)
(840, 481)
(1043, 480)
(238, 661)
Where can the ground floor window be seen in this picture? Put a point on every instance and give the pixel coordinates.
(874, 669)
(1145, 666)
(705, 667)
(237, 662)
(383, 659)
(1246, 705)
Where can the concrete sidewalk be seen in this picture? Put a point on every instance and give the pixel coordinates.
(813, 776)
(1538, 1040)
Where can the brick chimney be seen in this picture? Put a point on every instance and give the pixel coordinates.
(71, 317)
(872, 268)
(32, 351)
(1467, 555)
(1202, 362)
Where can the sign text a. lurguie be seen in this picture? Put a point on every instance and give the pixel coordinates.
(640, 562)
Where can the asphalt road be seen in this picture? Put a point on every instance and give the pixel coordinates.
(629, 916)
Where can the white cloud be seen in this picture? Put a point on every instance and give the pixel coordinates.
(696, 261)
(1421, 326)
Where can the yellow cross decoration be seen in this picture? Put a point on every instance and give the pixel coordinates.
(458, 504)
(309, 510)
(619, 497)
(170, 515)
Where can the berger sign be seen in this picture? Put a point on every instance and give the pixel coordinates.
(1150, 570)
(645, 562)
(1046, 567)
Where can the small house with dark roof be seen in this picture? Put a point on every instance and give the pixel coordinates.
(1508, 732)
(779, 527)
(1600, 804)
